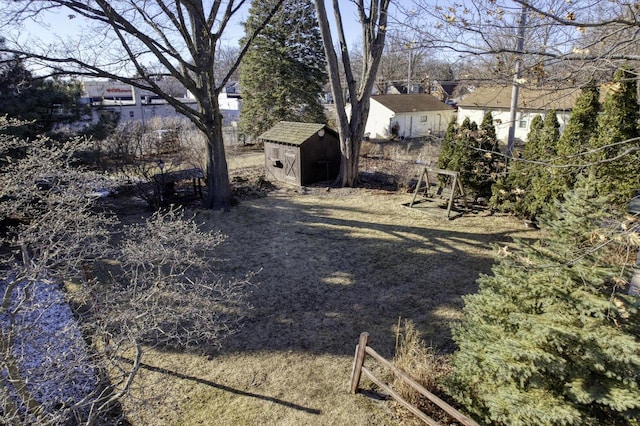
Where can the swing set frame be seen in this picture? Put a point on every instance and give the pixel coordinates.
(424, 185)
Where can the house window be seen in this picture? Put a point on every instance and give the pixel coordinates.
(423, 118)
(130, 114)
(522, 124)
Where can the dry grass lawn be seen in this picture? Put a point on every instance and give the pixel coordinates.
(331, 265)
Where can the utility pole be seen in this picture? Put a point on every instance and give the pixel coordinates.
(516, 82)
(410, 47)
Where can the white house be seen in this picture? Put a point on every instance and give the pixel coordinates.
(230, 102)
(131, 103)
(407, 116)
(532, 102)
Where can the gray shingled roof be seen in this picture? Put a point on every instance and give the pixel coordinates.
(411, 103)
(290, 132)
(499, 97)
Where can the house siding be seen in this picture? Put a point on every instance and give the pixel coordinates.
(414, 125)
(410, 124)
(501, 121)
(132, 104)
(531, 103)
(379, 121)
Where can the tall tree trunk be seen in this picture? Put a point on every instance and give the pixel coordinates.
(373, 21)
(218, 187)
(351, 142)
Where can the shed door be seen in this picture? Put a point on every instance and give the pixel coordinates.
(290, 166)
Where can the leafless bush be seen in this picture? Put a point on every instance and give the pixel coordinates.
(142, 152)
(401, 162)
(164, 133)
(193, 147)
(168, 289)
(400, 174)
(372, 149)
(45, 206)
(50, 201)
(155, 287)
(429, 153)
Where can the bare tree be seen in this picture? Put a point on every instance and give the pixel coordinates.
(563, 41)
(133, 150)
(183, 36)
(403, 61)
(373, 20)
(226, 59)
(154, 284)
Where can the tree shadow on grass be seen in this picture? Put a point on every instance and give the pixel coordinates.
(334, 269)
(223, 387)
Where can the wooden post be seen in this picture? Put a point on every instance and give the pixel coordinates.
(415, 193)
(358, 361)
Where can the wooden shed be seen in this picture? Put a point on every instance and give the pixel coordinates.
(301, 153)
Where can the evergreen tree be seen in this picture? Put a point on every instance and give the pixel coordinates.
(580, 129)
(541, 191)
(457, 156)
(485, 159)
(550, 339)
(282, 76)
(448, 150)
(488, 136)
(471, 151)
(44, 102)
(508, 194)
(447, 147)
(618, 123)
(465, 139)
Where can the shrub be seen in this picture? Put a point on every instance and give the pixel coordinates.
(156, 284)
(616, 160)
(550, 338)
(472, 151)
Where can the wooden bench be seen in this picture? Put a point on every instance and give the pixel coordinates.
(166, 182)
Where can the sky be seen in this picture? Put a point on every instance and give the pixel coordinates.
(60, 24)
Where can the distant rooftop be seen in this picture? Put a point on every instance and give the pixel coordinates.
(411, 103)
(499, 97)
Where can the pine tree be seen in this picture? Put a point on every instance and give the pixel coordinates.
(282, 77)
(465, 140)
(485, 160)
(574, 142)
(472, 151)
(448, 150)
(508, 194)
(447, 147)
(457, 153)
(550, 339)
(575, 138)
(44, 102)
(541, 190)
(617, 123)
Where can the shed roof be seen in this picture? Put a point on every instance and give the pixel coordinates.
(292, 132)
(499, 97)
(414, 102)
